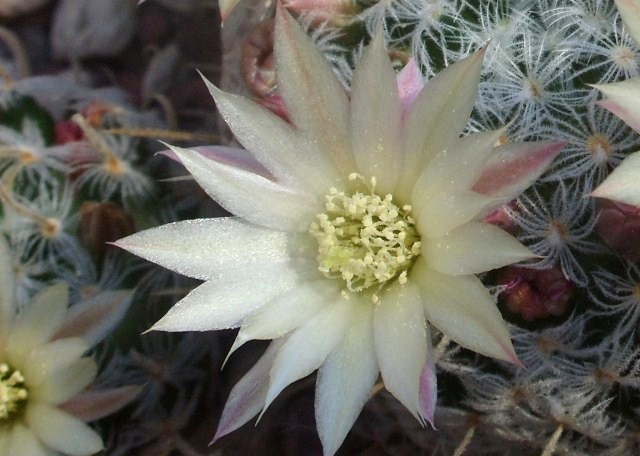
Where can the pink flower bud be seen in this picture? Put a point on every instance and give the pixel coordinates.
(502, 218)
(257, 64)
(67, 131)
(619, 226)
(536, 294)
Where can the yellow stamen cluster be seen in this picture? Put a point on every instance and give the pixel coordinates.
(13, 391)
(364, 238)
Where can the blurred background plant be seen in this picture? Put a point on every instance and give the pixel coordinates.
(86, 88)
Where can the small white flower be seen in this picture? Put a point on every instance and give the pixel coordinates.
(356, 224)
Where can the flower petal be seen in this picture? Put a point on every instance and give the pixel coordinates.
(287, 311)
(457, 168)
(222, 243)
(375, 138)
(275, 143)
(514, 167)
(400, 339)
(410, 85)
(256, 199)
(40, 320)
(226, 6)
(248, 395)
(623, 184)
(232, 156)
(346, 379)
(315, 100)
(428, 391)
(22, 441)
(224, 304)
(95, 317)
(7, 284)
(471, 249)
(462, 308)
(443, 212)
(93, 405)
(61, 431)
(46, 359)
(630, 13)
(438, 116)
(306, 349)
(623, 100)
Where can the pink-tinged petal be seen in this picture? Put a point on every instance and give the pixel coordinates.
(437, 116)
(428, 392)
(232, 156)
(345, 380)
(462, 308)
(471, 249)
(205, 248)
(623, 100)
(41, 319)
(226, 6)
(22, 441)
(61, 431)
(514, 167)
(94, 318)
(248, 395)
(410, 85)
(623, 184)
(306, 348)
(95, 404)
(287, 312)
(316, 101)
(275, 143)
(375, 138)
(630, 14)
(252, 197)
(401, 343)
(224, 304)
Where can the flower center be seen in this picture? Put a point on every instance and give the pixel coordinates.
(13, 392)
(365, 239)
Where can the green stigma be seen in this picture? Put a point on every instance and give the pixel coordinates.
(365, 239)
(13, 392)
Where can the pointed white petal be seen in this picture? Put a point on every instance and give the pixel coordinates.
(442, 212)
(287, 311)
(46, 359)
(462, 308)
(630, 14)
(458, 168)
(248, 395)
(623, 184)
(94, 318)
(306, 349)
(315, 100)
(226, 6)
(400, 340)
(274, 142)
(623, 100)
(92, 405)
(232, 156)
(409, 85)
(204, 248)
(67, 381)
(254, 198)
(375, 117)
(473, 248)
(224, 304)
(345, 380)
(61, 431)
(438, 116)
(22, 441)
(40, 319)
